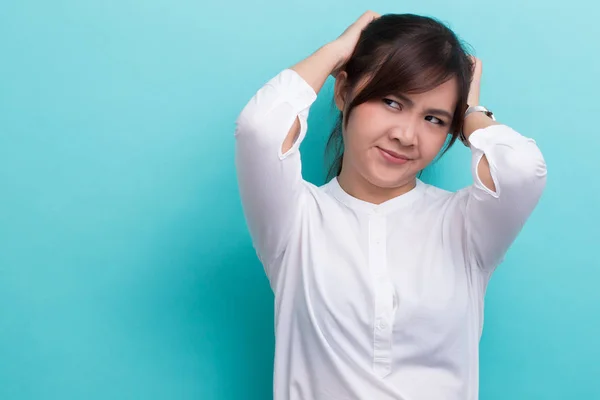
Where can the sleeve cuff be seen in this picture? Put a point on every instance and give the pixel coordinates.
(299, 95)
(294, 88)
(482, 139)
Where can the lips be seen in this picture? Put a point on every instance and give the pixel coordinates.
(394, 154)
(393, 157)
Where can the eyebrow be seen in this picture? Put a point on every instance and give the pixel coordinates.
(437, 111)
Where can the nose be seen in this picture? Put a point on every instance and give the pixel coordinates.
(405, 133)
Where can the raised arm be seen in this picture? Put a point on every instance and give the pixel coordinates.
(509, 174)
(268, 134)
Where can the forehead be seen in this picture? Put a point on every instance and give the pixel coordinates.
(444, 96)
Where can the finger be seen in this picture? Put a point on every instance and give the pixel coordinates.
(367, 18)
(477, 66)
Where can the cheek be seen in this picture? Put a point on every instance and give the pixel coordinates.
(363, 127)
(432, 143)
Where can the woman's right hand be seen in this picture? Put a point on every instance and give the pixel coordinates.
(330, 58)
(347, 41)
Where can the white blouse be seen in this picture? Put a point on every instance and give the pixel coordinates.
(383, 301)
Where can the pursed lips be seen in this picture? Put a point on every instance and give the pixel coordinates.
(394, 157)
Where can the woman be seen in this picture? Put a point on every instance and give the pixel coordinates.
(379, 278)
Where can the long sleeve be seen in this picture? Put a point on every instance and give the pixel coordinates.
(494, 218)
(270, 182)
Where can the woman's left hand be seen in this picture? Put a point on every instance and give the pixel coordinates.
(473, 97)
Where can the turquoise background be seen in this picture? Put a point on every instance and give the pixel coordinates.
(126, 271)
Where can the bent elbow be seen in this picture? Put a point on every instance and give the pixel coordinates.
(526, 168)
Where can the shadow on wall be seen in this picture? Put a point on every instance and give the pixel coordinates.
(200, 313)
(235, 306)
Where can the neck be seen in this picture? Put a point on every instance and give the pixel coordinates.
(357, 186)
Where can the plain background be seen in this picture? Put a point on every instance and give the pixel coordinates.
(126, 271)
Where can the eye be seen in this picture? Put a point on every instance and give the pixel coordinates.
(391, 103)
(435, 120)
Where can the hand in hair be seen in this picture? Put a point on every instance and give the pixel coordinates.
(347, 41)
(473, 97)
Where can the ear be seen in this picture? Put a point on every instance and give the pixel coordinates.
(340, 90)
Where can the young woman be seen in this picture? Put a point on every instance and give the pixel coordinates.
(379, 278)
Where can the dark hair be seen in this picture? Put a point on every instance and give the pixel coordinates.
(403, 53)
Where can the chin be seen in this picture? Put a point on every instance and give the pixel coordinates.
(390, 180)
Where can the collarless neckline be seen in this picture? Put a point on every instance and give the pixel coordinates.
(372, 208)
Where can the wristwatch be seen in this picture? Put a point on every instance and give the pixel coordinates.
(482, 109)
(471, 110)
